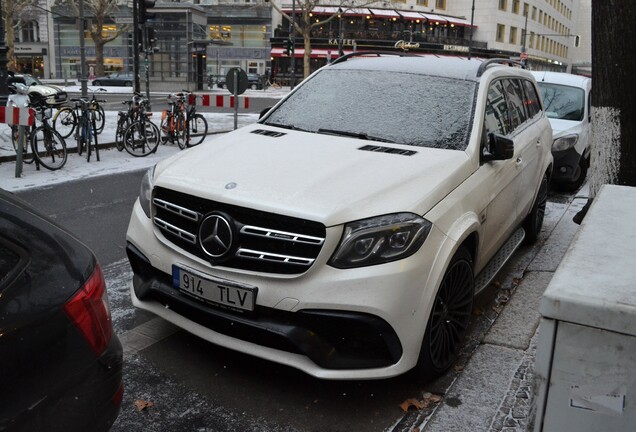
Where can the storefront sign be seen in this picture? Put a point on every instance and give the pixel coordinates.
(406, 45)
(347, 42)
(459, 48)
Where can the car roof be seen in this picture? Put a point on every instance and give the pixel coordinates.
(561, 78)
(428, 64)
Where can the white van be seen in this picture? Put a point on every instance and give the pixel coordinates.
(566, 100)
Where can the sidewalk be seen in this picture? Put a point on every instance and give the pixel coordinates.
(494, 391)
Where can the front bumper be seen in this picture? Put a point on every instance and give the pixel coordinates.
(565, 164)
(330, 338)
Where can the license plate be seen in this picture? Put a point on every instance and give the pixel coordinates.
(214, 290)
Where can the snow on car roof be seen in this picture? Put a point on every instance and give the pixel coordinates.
(561, 78)
(451, 67)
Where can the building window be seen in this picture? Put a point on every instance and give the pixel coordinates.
(29, 32)
(503, 5)
(534, 13)
(531, 40)
(513, 35)
(440, 4)
(501, 31)
(515, 6)
(422, 3)
(526, 9)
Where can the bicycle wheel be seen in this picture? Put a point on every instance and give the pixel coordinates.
(65, 121)
(100, 118)
(164, 128)
(180, 130)
(27, 153)
(197, 130)
(82, 134)
(49, 147)
(93, 134)
(141, 138)
(123, 121)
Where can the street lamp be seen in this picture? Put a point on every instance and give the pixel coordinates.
(340, 35)
(472, 29)
(4, 91)
(292, 38)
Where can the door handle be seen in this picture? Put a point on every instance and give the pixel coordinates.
(538, 142)
(519, 162)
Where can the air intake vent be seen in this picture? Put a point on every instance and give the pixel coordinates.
(268, 133)
(381, 149)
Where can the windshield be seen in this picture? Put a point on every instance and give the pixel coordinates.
(563, 102)
(399, 107)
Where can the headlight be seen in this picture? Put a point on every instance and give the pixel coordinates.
(564, 143)
(145, 191)
(380, 239)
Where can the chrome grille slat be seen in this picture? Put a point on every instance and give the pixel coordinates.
(176, 209)
(281, 235)
(267, 256)
(185, 235)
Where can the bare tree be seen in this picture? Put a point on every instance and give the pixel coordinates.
(304, 25)
(614, 91)
(16, 12)
(97, 13)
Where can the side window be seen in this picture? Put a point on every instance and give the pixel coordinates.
(532, 99)
(496, 117)
(516, 108)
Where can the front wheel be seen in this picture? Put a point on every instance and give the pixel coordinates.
(197, 130)
(534, 221)
(141, 138)
(65, 121)
(449, 318)
(49, 147)
(577, 180)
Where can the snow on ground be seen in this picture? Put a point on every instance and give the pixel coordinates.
(111, 160)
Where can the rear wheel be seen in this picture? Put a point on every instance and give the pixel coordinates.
(141, 138)
(578, 179)
(197, 129)
(50, 148)
(100, 119)
(449, 318)
(180, 130)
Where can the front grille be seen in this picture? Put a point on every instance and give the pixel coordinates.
(265, 242)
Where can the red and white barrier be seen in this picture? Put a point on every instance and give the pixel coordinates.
(17, 116)
(221, 101)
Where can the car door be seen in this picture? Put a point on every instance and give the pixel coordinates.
(501, 178)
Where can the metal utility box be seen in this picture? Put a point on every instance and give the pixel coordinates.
(586, 350)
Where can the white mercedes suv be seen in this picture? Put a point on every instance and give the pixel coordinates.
(347, 231)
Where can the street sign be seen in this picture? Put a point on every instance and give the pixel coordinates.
(124, 20)
(238, 75)
(524, 55)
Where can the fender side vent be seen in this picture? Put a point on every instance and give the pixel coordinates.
(268, 133)
(390, 150)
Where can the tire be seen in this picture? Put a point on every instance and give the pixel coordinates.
(50, 148)
(65, 121)
(123, 122)
(577, 181)
(141, 138)
(128, 84)
(197, 129)
(254, 87)
(181, 130)
(164, 128)
(100, 119)
(97, 83)
(534, 221)
(449, 319)
(27, 153)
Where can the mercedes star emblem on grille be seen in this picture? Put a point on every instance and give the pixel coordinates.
(215, 236)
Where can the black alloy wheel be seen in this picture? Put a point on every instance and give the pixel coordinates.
(449, 318)
(534, 221)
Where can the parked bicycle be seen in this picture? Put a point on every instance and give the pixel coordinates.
(42, 144)
(86, 134)
(181, 124)
(66, 118)
(141, 136)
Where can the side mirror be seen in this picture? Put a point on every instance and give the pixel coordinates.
(499, 147)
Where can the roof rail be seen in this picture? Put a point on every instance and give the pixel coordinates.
(489, 62)
(377, 53)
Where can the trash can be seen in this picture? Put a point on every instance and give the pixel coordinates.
(585, 366)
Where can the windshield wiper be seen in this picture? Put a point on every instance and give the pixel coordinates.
(286, 126)
(359, 135)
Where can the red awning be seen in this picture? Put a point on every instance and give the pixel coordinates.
(411, 16)
(331, 10)
(384, 13)
(435, 19)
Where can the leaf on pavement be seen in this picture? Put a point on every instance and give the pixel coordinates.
(411, 403)
(142, 404)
